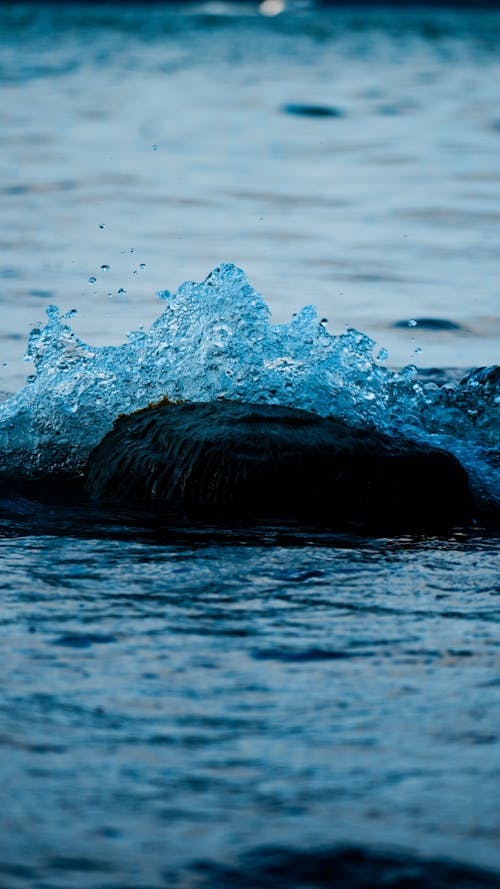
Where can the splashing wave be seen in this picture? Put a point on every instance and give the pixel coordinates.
(215, 340)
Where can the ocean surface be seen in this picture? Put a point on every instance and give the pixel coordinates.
(186, 705)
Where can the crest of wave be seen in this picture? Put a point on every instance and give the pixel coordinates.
(215, 340)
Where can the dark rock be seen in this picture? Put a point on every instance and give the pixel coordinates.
(249, 461)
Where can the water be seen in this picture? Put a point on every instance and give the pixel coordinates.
(215, 340)
(201, 697)
(192, 705)
(386, 213)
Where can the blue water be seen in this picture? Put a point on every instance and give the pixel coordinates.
(387, 213)
(205, 695)
(192, 705)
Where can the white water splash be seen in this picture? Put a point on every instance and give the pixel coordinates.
(215, 340)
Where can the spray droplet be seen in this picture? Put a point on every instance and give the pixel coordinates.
(92, 280)
(101, 225)
(155, 148)
(383, 355)
(142, 265)
(417, 350)
(122, 290)
(324, 321)
(132, 249)
(134, 272)
(105, 268)
(412, 323)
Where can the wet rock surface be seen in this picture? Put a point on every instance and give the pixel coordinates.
(224, 459)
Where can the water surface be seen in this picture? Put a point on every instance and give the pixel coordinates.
(199, 698)
(171, 127)
(192, 706)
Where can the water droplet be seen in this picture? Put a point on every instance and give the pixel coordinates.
(155, 148)
(324, 321)
(105, 268)
(92, 280)
(122, 290)
(4, 364)
(132, 250)
(142, 265)
(417, 350)
(383, 355)
(101, 225)
(412, 323)
(134, 272)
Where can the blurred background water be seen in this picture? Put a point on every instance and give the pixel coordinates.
(344, 157)
(193, 706)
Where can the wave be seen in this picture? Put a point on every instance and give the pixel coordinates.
(215, 340)
(345, 868)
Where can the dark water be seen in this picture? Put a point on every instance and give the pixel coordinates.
(177, 701)
(188, 706)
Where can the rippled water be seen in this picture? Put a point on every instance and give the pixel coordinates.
(194, 698)
(385, 213)
(185, 705)
(192, 706)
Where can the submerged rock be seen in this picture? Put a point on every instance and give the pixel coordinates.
(256, 461)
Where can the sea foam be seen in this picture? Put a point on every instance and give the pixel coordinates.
(215, 340)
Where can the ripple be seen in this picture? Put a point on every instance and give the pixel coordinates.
(83, 640)
(437, 324)
(354, 868)
(313, 110)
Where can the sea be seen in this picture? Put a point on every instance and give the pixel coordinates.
(286, 203)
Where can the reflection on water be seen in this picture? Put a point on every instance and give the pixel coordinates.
(172, 128)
